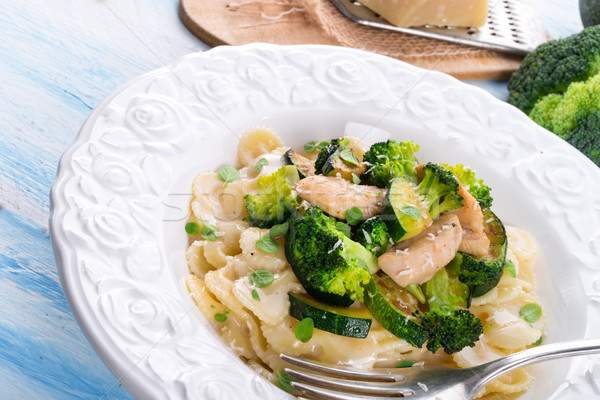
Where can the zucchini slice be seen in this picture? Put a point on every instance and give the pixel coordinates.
(404, 214)
(496, 257)
(305, 166)
(336, 165)
(382, 299)
(350, 322)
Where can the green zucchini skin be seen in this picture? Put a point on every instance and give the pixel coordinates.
(495, 231)
(395, 321)
(401, 193)
(304, 166)
(336, 320)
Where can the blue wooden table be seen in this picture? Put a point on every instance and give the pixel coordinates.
(59, 59)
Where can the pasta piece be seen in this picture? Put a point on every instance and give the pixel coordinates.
(254, 142)
(258, 259)
(232, 329)
(197, 263)
(274, 304)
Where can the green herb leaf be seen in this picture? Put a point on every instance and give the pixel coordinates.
(267, 244)
(228, 174)
(531, 312)
(355, 179)
(344, 142)
(322, 145)
(405, 364)
(227, 311)
(279, 230)
(192, 228)
(208, 232)
(283, 381)
(311, 147)
(354, 216)
(261, 163)
(344, 228)
(255, 295)
(411, 212)
(261, 278)
(510, 268)
(348, 156)
(537, 342)
(220, 317)
(304, 330)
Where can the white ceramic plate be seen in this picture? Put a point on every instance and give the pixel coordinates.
(120, 200)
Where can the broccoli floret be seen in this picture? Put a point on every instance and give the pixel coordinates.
(388, 160)
(439, 190)
(574, 116)
(479, 275)
(331, 267)
(586, 136)
(275, 202)
(449, 325)
(552, 66)
(373, 235)
(475, 186)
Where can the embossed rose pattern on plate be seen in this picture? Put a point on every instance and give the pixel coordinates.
(119, 202)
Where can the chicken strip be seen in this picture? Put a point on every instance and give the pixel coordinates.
(416, 260)
(336, 195)
(474, 240)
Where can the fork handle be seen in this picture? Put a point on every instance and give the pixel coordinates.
(497, 368)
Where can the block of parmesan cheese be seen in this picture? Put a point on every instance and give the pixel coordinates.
(413, 13)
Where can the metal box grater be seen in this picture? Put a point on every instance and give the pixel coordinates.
(511, 26)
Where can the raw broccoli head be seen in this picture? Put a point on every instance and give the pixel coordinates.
(448, 324)
(275, 202)
(439, 190)
(388, 160)
(331, 267)
(475, 186)
(373, 235)
(574, 116)
(586, 136)
(552, 66)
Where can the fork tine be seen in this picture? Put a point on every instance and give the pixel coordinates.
(341, 372)
(379, 388)
(325, 394)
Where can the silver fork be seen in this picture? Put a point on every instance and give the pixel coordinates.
(323, 382)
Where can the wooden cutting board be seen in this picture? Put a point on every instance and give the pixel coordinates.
(237, 22)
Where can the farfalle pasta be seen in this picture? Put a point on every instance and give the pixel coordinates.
(243, 277)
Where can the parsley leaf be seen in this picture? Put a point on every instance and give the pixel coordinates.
(255, 295)
(344, 228)
(411, 212)
(311, 147)
(283, 381)
(279, 230)
(220, 317)
(510, 268)
(348, 156)
(192, 228)
(405, 364)
(530, 312)
(208, 232)
(261, 278)
(304, 330)
(354, 216)
(228, 174)
(267, 244)
(261, 163)
(355, 179)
